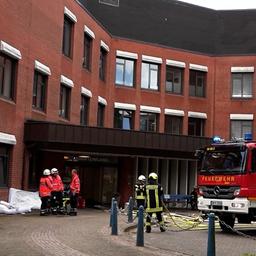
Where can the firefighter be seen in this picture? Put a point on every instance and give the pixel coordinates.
(140, 192)
(56, 196)
(154, 196)
(45, 189)
(74, 192)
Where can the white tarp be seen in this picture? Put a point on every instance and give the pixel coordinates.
(20, 201)
(21, 198)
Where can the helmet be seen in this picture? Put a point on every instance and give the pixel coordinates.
(153, 176)
(54, 170)
(141, 178)
(46, 172)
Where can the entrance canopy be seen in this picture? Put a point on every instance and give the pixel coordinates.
(76, 138)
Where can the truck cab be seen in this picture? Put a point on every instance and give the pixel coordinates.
(227, 181)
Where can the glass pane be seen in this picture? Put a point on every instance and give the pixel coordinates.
(236, 129)
(119, 74)
(177, 82)
(7, 90)
(126, 123)
(129, 67)
(143, 122)
(237, 86)
(247, 85)
(67, 37)
(154, 79)
(200, 87)
(152, 122)
(145, 75)
(192, 90)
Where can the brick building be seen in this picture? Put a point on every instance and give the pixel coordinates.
(119, 88)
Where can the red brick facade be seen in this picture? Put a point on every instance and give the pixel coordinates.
(36, 30)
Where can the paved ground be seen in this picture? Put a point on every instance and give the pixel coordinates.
(88, 234)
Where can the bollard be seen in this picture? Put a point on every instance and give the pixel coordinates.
(140, 227)
(211, 235)
(111, 212)
(114, 219)
(130, 208)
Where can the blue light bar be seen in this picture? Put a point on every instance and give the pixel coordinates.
(217, 139)
(247, 136)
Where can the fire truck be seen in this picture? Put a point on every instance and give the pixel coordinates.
(227, 181)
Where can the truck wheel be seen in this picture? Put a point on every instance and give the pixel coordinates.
(229, 221)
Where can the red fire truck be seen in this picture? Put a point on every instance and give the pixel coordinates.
(227, 181)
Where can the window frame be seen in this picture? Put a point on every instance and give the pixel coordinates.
(241, 74)
(13, 75)
(87, 54)
(84, 111)
(5, 152)
(148, 123)
(100, 115)
(125, 72)
(66, 112)
(70, 23)
(103, 64)
(131, 118)
(173, 118)
(149, 75)
(198, 74)
(241, 127)
(172, 70)
(35, 90)
(195, 128)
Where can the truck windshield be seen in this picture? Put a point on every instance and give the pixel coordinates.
(223, 161)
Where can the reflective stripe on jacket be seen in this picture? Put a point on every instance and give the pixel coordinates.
(154, 194)
(57, 183)
(75, 184)
(140, 192)
(45, 187)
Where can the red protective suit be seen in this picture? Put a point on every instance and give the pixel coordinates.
(75, 184)
(45, 186)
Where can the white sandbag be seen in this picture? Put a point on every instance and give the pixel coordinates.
(23, 209)
(24, 199)
(8, 205)
(5, 210)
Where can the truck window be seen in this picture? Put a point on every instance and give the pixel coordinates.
(253, 164)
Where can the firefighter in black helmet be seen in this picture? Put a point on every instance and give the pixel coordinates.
(154, 195)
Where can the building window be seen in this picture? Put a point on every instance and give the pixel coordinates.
(240, 127)
(64, 101)
(124, 72)
(123, 119)
(174, 79)
(87, 51)
(242, 85)
(67, 37)
(4, 156)
(148, 122)
(173, 124)
(197, 83)
(84, 110)
(149, 76)
(103, 63)
(196, 126)
(101, 115)
(7, 77)
(39, 91)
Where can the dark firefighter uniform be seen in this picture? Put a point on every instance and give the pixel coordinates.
(140, 194)
(154, 194)
(140, 191)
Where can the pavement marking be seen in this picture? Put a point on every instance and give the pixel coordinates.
(52, 246)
